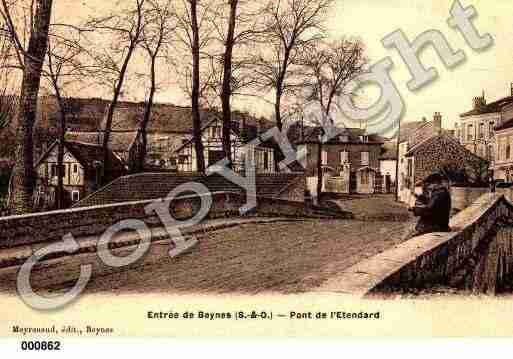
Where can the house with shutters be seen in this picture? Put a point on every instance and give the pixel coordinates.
(243, 130)
(503, 160)
(82, 171)
(349, 160)
(169, 135)
(476, 128)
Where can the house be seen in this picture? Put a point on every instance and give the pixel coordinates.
(388, 165)
(350, 160)
(503, 159)
(243, 132)
(169, 130)
(82, 170)
(442, 153)
(476, 128)
(410, 135)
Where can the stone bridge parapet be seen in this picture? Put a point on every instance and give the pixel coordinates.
(94, 220)
(433, 258)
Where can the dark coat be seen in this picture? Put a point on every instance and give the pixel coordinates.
(434, 213)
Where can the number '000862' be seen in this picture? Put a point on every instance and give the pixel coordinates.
(40, 345)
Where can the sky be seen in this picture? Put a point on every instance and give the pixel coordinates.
(451, 93)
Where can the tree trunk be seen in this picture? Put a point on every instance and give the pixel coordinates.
(196, 120)
(227, 78)
(112, 108)
(24, 176)
(141, 156)
(59, 196)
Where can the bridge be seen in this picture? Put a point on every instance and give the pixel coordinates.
(281, 246)
(476, 257)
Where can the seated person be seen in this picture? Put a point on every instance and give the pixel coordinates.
(433, 206)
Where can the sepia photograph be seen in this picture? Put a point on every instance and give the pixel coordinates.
(236, 168)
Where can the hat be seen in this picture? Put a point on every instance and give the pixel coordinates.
(434, 178)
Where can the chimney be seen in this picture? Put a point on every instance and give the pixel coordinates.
(479, 101)
(424, 119)
(437, 121)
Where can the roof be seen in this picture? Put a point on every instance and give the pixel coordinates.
(426, 143)
(298, 134)
(491, 107)
(147, 186)
(409, 128)
(250, 125)
(168, 118)
(505, 125)
(87, 154)
(90, 116)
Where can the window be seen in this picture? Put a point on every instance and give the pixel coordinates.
(266, 161)
(470, 132)
(75, 196)
(508, 152)
(183, 159)
(344, 157)
(365, 158)
(215, 131)
(75, 168)
(491, 125)
(364, 177)
(489, 152)
(481, 130)
(324, 158)
(53, 170)
(410, 167)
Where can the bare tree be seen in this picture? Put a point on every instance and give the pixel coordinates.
(291, 27)
(125, 28)
(159, 25)
(331, 66)
(8, 98)
(239, 33)
(226, 91)
(194, 37)
(31, 60)
(63, 68)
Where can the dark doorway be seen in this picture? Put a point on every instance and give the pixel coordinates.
(214, 157)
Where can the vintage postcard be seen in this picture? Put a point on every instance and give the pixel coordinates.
(235, 168)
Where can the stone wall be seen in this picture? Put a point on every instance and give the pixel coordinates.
(94, 220)
(27, 229)
(432, 258)
(462, 197)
